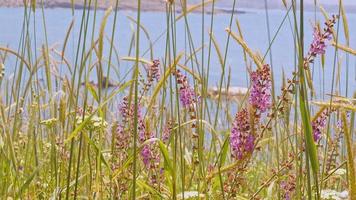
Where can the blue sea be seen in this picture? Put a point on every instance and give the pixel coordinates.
(254, 29)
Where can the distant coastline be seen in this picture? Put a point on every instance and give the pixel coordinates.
(151, 5)
(148, 6)
(160, 5)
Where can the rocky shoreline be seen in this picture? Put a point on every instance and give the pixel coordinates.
(160, 5)
(151, 5)
(146, 6)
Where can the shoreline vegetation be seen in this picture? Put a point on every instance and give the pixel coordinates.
(161, 132)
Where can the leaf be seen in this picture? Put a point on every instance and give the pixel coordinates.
(101, 33)
(193, 8)
(1, 142)
(185, 68)
(323, 11)
(344, 21)
(69, 30)
(144, 61)
(323, 61)
(223, 169)
(217, 49)
(140, 60)
(73, 5)
(344, 48)
(350, 157)
(83, 124)
(224, 151)
(45, 55)
(24, 60)
(319, 113)
(336, 105)
(2, 70)
(33, 5)
(165, 154)
(309, 81)
(130, 158)
(163, 80)
(27, 183)
(211, 128)
(284, 3)
(148, 188)
(243, 44)
(270, 194)
(240, 33)
(310, 144)
(91, 142)
(93, 92)
(62, 190)
(146, 32)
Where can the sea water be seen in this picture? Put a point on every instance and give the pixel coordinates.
(254, 29)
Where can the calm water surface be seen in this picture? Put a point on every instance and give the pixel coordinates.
(253, 24)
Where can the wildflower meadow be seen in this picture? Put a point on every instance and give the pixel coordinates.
(168, 116)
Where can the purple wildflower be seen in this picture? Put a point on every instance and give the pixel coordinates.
(127, 112)
(153, 70)
(150, 156)
(188, 99)
(122, 139)
(146, 155)
(320, 39)
(142, 134)
(153, 73)
(167, 132)
(124, 109)
(284, 186)
(339, 123)
(242, 142)
(288, 187)
(318, 46)
(260, 95)
(187, 95)
(319, 124)
(149, 153)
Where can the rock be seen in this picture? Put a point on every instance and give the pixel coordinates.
(103, 83)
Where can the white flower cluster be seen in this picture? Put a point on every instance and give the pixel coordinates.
(94, 123)
(334, 195)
